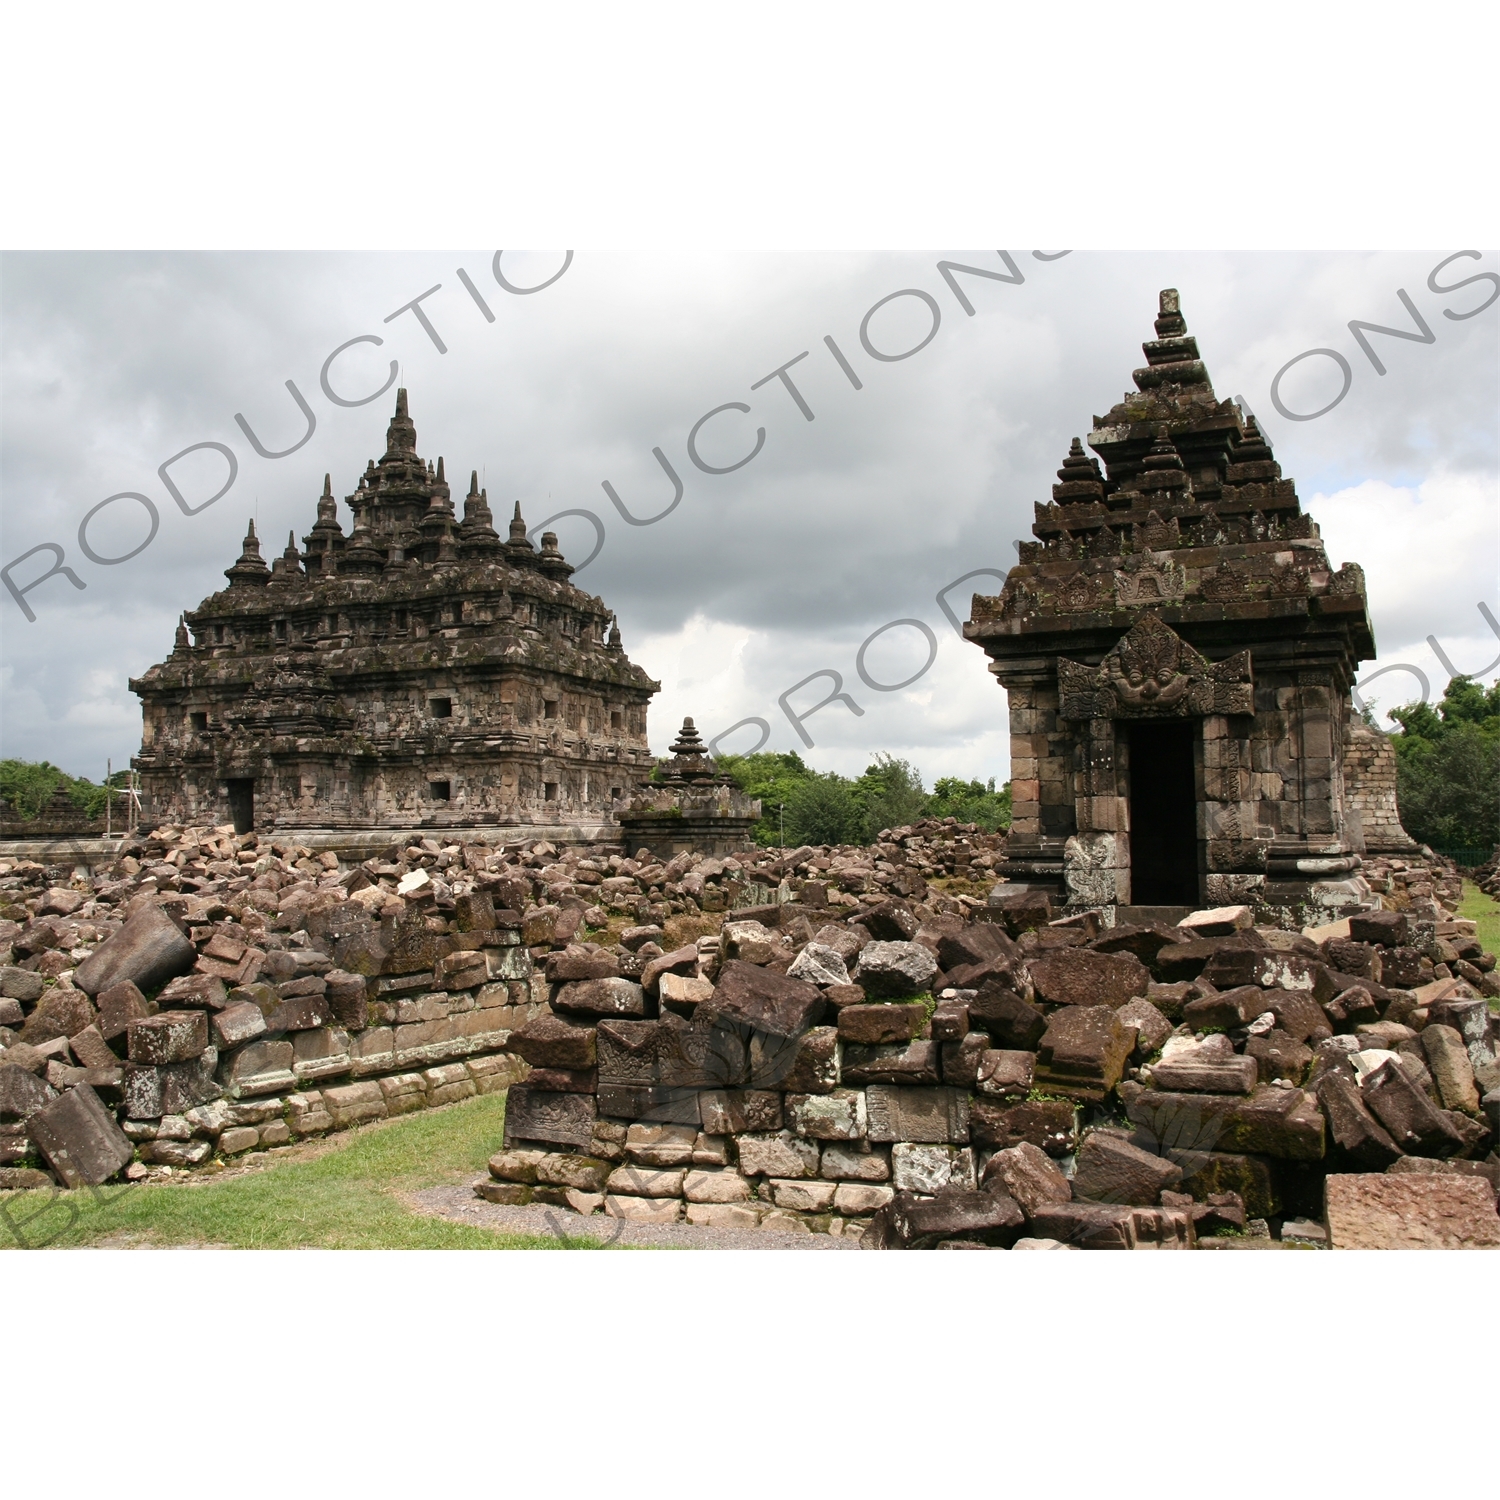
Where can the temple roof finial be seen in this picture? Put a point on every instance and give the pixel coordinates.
(1169, 322)
(551, 561)
(688, 741)
(401, 435)
(690, 760)
(1080, 477)
(251, 567)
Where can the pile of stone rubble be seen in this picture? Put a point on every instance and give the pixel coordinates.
(1487, 876)
(212, 994)
(876, 1041)
(1009, 1075)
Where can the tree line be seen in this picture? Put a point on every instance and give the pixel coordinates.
(802, 806)
(27, 788)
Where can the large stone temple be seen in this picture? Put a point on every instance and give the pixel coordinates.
(418, 672)
(1178, 654)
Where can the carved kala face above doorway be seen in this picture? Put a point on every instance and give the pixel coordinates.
(1153, 673)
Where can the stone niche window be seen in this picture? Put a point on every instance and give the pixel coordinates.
(549, 708)
(440, 708)
(218, 635)
(440, 791)
(400, 619)
(549, 791)
(278, 630)
(616, 719)
(614, 792)
(198, 723)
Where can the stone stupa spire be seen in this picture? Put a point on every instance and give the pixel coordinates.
(250, 570)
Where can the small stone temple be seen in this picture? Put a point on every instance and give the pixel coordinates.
(1178, 654)
(418, 671)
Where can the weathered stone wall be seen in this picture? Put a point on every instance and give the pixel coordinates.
(1370, 788)
(917, 1081)
(60, 817)
(220, 993)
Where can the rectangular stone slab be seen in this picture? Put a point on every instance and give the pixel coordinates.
(1409, 1211)
(80, 1138)
(1232, 1075)
(150, 1092)
(556, 1118)
(1049, 1124)
(600, 997)
(644, 1101)
(1410, 1118)
(1284, 1123)
(1090, 1226)
(1352, 1128)
(736, 1111)
(762, 1000)
(148, 950)
(173, 1036)
(917, 1114)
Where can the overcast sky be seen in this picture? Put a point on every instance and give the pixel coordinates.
(112, 363)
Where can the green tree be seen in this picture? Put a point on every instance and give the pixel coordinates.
(27, 786)
(823, 809)
(889, 794)
(1448, 767)
(971, 802)
(772, 777)
(826, 808)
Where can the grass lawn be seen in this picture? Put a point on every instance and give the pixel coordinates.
(343, 1198)
(1485, 912)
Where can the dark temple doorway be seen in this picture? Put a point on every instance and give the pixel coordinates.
(241, 791)
(1163, 815)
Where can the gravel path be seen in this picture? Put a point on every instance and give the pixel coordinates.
(461, 1206)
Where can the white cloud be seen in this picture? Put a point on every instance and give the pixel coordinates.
(1431, 556)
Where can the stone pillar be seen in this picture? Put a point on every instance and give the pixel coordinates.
(1229, 816)
(1028, 749)
(1315, 708)
(1096, 859)
(1096, 802)
(1054, 768)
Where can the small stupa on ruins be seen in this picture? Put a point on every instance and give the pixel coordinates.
(687, 804)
